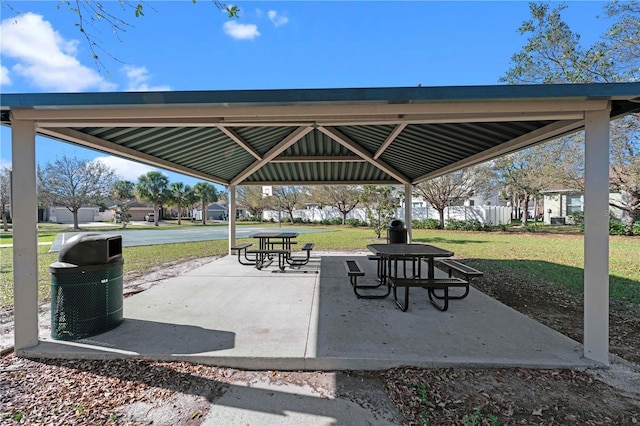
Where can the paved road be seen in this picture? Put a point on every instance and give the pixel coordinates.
(146, 237)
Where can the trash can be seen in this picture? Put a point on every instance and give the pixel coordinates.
(396, 232)
(86, 286)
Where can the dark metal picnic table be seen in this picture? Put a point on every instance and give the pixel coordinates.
(392, 254)
(267, 243)
(414, 252)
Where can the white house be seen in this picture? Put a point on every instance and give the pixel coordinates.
(561, 203)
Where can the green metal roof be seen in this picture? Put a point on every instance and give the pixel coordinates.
(367, 135)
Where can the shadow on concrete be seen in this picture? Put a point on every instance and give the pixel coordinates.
(141, 337)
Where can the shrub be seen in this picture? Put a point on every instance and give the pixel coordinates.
(425, 224)
(577, 218)
(533, 227)
(354, 222)
(467, 225)
(454, 225)
(616, 227)
(636, 228)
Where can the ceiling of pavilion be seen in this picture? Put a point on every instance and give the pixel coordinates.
(340, 136)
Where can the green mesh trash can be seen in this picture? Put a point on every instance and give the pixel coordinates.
(86, 287)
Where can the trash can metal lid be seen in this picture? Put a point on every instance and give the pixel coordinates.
(91, 248)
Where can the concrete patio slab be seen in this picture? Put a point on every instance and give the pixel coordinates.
(230, 315)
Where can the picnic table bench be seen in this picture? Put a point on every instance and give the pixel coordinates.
(264, 257)
(242, 249)
(353, 272)
(431, 284)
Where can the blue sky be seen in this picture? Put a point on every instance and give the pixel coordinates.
(179, 45)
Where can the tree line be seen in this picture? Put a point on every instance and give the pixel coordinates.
(74, 183)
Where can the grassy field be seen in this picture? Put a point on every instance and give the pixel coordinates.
(551, 257)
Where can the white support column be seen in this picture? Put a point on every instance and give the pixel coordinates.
(408, 210)
(232, 217)
(24, 204)
(596, 237)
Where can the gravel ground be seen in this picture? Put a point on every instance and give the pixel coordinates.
(133, 392)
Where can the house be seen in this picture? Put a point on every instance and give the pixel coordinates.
(561, 203)
(137, 210)
(64, 215)
(218, 211)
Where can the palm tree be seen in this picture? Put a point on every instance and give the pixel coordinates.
(206, 193)
(153, 187)
(179, 195)
(123, 193)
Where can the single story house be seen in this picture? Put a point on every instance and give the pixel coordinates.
(561, 203)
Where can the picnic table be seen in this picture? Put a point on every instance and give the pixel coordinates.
(416, 254)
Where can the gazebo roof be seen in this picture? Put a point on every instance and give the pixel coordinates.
(319, 136)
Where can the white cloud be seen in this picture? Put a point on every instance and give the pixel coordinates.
(4, 163)
(126, 169)
(241, 31)
(5, 80)
(45, 58)
(277, 19)
(138, 77)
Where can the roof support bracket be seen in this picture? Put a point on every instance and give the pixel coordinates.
(392, 136)
(294, 137)
(353, 146)
(237, 139)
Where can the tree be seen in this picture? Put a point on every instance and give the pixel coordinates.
(625, 171)
(553, 55)
(5, 195)
(207, 193)
(526, 173)
(250, 197)
(343, 197)
(380, 206)
(123, 194)
(74, 183)
(443, 191)
(180, 196)
(289, 197)
(153, 187)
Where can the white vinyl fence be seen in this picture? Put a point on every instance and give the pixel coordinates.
(494, 215)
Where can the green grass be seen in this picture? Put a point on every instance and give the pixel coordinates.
(551, 258)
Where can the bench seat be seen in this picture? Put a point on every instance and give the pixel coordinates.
(354, 270)
(299, 261)
(431, 285)
(452, 266)
(264, 257)
(242, 249)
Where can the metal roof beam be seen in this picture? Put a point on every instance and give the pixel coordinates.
(237, 139)
(540, 135)
(319, 159)
(406, 119)
(357, 149)
(392, 136)
(70, 135)
(294, 137)
(323, 182)
(214, 114)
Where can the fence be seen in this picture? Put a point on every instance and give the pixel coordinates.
(494, 215)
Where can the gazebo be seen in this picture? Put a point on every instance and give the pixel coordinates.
(398, 135)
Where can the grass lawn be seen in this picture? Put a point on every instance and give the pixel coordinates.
(550, 257)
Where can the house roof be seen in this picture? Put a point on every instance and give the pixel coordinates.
(338, 136)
